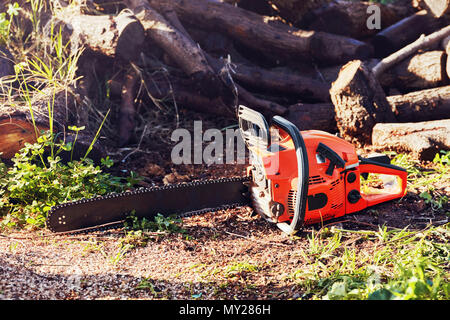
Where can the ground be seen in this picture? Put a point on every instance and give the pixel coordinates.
(231, 254)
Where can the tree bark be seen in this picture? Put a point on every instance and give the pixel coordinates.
(446, 46)
(295, 10)
(180, 93)
(421, 43)
(265, 106)
(180, 48)
(424, 105)
(349, 18)
(421, 71)
(318, 116)
(253, 31)
(421, 139)
(404, 32)
(306, 88)
(119, 35)
(359, 102)
(329, 74)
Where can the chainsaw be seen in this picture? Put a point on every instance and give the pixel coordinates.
(294, 178)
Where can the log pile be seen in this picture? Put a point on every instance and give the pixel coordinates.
(320, 64)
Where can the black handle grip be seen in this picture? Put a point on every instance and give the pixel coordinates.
(335, 159)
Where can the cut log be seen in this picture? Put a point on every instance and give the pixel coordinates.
(179, 92)
(318, 116)
(421, 139)
(253, 31)
(446, 46)
(294, 10)
(359, 102)
(287, 83)
(259, 6)
(180, 48)
(252, 76)
(119, 35)
(240, 94)
(306, 88)
(329, 74)
(404, 32)
(16, 129)
(421, 71)
(16, 122)
(437, 7)
(265, 106)
(424, 105)
(290, 11)
(17, 126)
(421, 43)
(349, 18)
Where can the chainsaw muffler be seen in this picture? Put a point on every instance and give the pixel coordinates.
(306, 177)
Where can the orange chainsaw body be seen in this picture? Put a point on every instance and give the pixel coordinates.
(327, 185)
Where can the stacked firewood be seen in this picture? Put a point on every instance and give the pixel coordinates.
(375, 73)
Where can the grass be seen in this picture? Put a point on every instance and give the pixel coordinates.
(390, 263)
(396, 264)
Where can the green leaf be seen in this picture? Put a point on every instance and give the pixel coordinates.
(425, 195)
(381, 294)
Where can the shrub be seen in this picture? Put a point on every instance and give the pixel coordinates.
(36, 182)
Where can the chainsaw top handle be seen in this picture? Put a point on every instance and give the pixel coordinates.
(303, 175)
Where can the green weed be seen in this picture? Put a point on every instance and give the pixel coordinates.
(402, 264)
(36, 182)
(160, 223)
(237, 269)
(6, 19)
(422, 177)
(139, 231)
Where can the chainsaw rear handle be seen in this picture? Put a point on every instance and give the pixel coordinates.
(367, 166)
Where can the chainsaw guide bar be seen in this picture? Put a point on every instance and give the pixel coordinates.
(182, 200)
